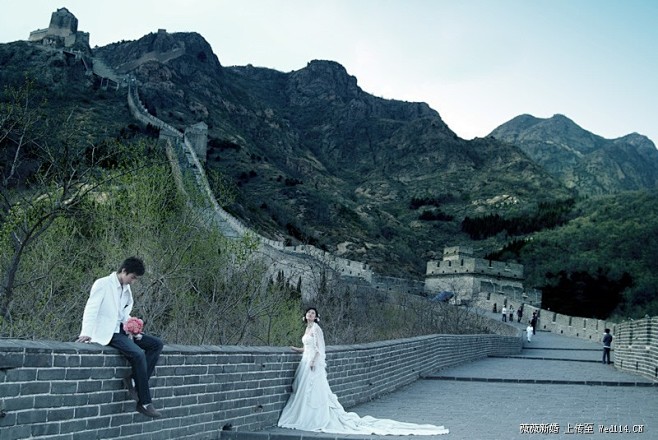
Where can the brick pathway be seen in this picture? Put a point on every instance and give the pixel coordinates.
(556, 383)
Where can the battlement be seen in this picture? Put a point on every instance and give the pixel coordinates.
(457, 252)
(460, 264)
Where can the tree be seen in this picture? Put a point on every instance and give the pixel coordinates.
(581, 293)
(48, 169)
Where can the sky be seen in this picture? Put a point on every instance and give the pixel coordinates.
(479, 63)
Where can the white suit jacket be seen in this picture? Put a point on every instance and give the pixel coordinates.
(102, 312)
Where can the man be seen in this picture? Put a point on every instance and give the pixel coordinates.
(108, 308)
(607, 343)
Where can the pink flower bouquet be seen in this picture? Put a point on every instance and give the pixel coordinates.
(134, 326)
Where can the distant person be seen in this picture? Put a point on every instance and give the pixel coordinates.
(495, 308)
(312, 406)
(519, 314)
(511, 313)
(529, 331)
(607, 345)
(107, 310)
(504, 312)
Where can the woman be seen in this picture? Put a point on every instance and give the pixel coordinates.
(314, 407)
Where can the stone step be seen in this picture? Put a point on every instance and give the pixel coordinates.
(104, 71)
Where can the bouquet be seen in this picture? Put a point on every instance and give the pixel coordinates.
(134, 326)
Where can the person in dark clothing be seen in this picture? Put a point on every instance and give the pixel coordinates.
(607, 344)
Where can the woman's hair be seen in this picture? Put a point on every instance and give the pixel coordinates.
(317, 315)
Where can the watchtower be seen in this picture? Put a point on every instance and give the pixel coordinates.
(197, 136)
(62, 31)
(473, 279)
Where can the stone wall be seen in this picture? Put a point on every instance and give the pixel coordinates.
(398, 285)
(72, 391)
(635, 347)
(140, 113)
(508, 295)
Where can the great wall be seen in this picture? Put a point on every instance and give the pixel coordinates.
(59, 390)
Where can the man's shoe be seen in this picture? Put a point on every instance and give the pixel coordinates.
(128, 383)
(148, 410)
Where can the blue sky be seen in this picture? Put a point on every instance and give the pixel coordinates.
(479, 63)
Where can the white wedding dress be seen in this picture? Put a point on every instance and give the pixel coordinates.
(314, 407)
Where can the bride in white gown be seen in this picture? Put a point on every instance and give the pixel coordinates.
(314, 407)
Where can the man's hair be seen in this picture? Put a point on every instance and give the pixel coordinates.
(133, 265)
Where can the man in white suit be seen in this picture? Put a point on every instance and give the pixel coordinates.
(108, 308)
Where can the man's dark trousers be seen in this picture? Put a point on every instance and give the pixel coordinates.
(142, 354)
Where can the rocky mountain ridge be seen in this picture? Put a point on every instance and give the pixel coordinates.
(582, 160)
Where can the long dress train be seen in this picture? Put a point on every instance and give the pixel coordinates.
(312, 406)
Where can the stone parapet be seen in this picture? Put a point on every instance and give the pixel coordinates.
(58, 390)
(635, 346)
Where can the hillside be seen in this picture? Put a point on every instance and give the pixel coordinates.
(608, 241)
(315, 159)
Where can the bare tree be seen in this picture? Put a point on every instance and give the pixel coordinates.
(50, 166)
(47, 173)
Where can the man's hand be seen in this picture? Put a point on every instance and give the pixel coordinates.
(85, 339)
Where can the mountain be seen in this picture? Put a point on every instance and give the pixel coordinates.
(316, 159)
(313, 158)
(582, 160)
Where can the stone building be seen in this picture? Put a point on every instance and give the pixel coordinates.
(197, 136)
(473, 279)
(62, 32)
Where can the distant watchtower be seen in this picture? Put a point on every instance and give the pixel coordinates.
(472, 279)
(197, 136)
(62, 31)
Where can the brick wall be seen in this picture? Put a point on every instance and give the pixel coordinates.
(635, 347)
(55, 390)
